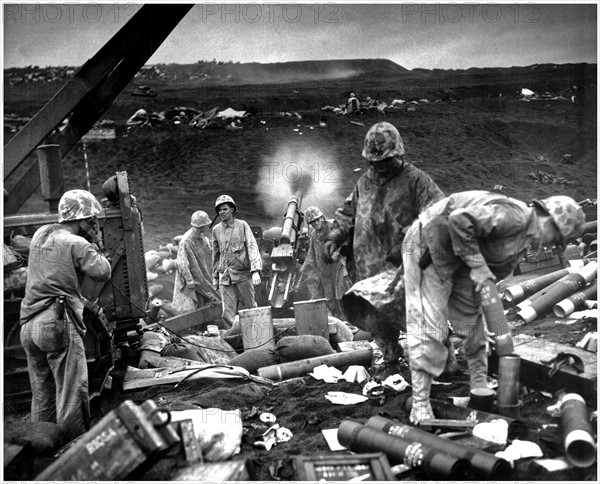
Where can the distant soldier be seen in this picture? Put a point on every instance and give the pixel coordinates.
(236, 260)
(325, 279)
(193, 288)
(352, 104)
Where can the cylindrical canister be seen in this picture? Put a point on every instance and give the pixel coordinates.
(509, 368)
(257, 328)
(564, 288)
(484, 465)
(482, 399)
(359, 438)
(497, 323)
(292, 369)
(580, 445)
(575, 302)
(51, 174)
(517, 292)
(311, 317)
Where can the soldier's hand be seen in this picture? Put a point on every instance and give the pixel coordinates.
(191, 286)
(331, 247)
(480, 275)
(256, 278)
(394, 256)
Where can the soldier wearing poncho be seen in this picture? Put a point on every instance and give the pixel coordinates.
(449, 253)
(326, 277)
(373, 219)
(193, 282)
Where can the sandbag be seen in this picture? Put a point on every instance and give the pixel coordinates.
(256, 358)
(292, 348)
(211, 349)
(343, 332)
(181, 350)
(153, 340)
(219, 432)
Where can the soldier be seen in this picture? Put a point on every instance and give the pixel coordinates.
(370, 225)
(236, 260)
(449, 252)
(52, 328)
(324, 277)
(193, 281)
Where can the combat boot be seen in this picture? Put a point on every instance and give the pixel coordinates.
(421, 406)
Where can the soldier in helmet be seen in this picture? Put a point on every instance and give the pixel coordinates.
(236, 260)
(352, 104)
(372, 221)
(52, 327)
(324, 277)
(193, 281)
(449, 252)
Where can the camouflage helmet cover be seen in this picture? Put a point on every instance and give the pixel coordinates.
(382, 141)
(78, 205)
(312, 214)
(200, 219)
(224, 199)
(566, 213)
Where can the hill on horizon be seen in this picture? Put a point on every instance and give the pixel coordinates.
(220, 72)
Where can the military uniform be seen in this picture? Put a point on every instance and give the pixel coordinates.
(375, 216)
(463, 232)
(194, 266)
(325, 278)
(53, 340)
(235, 258)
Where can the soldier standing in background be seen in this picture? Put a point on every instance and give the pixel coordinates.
(236, 260)
(325, 278)
(193, 280)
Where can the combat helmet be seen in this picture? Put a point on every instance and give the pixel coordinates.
(78, 205)
(224, 199)
(566, 213)
(382, 141)
(312, 214)
(200, 219)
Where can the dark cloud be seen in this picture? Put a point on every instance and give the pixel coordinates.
(429, 35)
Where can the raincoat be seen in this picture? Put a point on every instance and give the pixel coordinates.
(329, 277)
(194, 265)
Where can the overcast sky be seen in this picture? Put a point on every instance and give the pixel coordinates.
(416, 34)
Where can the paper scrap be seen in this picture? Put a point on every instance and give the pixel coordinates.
(332, 440)
(520, 449)
(395, 382)
(343, 398)
(355, 373)
(328, 374)
(495, 431)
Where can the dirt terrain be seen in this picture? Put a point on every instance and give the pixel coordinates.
(473, 143)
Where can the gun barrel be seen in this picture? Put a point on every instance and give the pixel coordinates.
(292, 220)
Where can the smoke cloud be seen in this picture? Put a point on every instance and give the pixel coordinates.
(299, 169)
